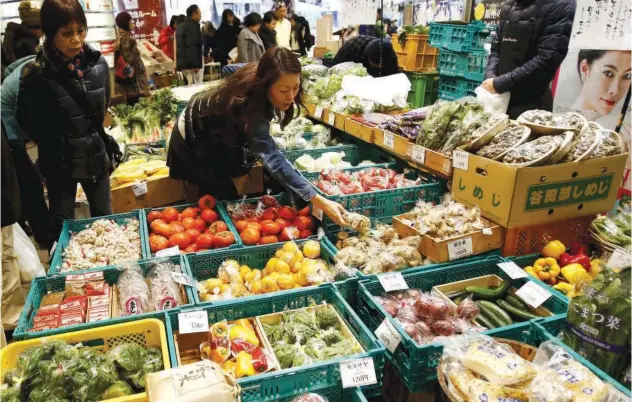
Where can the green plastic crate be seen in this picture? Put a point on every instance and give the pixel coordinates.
(281, 385)
(42, 286)
(470, 66)
(419, 363)
(354, 153)
(424, 89)
(203, 266)
(71, 226)
(459, 37)
(332, 394)
(453, 88)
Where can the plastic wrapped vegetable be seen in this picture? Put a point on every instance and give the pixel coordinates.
(165, 292)
(133, 291)
(135, 362)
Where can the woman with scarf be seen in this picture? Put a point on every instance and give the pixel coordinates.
(131, 78)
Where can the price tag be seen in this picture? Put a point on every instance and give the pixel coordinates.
(389, 140)
(418, 154)
(460, 159)
(318, 113)
(460, 248)
(393, 281)
(173, 251)
(487, 231)
(139, 188)
(193, 322)
(619, 259)
(331, 119)
(513, 270)
(318, 213)
(181, 278)
(360, 372)
(52, 249)
(388, 335)
(533, 294)
(447, 165)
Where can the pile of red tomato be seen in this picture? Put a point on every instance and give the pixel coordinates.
(194, 229)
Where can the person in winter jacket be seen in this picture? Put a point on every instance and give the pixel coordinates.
(226, 37)
(529, 44)
(267, 32)
(283, 27)
(67, 124)
(301, 38)
(249, 45)
(208, 39)
(189, 46)
(366, 50)
(130, 74)
(167, 36)
(21, 40)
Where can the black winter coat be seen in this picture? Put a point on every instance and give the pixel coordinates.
(188, 45)
(18, 42)
(225, 41)
(552, 23)
(11, 207)
(68, 143)
(268, 37)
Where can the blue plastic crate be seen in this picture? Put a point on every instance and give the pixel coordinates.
(281, 385)
(72, 226)
(41, 286)
(470, 66)
(453, 88)
(459, 37)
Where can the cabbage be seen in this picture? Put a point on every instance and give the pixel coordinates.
(304, 163)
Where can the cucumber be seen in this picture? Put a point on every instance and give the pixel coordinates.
(460, 298)
(498, 312)
(516, 301)
(495, 320)
(489, 294)
(517, 312)
(483, 321)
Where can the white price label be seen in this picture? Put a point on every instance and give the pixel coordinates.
(487, 231)
(52, 249)
(173, 251)
(393, 281)
(389, 140)
(360, 372)
(331, 119)
(181, 278)
(193, 322)
(460, 159)
(388, 335)
(447, 165)
(139, 188)
(533, 294)
(318, 113)
(418, 154)
(619, 259)
(513, 270)
(460, 248)
(318, 213)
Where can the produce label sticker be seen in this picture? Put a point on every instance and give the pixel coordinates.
(513, 270)
(331, 119)
(181, 278)
(533, 294)
(460, 248)
(173, 251)
(318, 213)
(139, 188)
(418, 154)
(619, 259)
(360, 372)
(389, 140)
(388, 335)
(460, 159)
(193, 322)
(393, 281)
(318, 113)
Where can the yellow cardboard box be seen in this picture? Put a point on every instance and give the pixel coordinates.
(515, 197)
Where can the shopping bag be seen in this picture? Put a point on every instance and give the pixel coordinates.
(493, 102)
(232, 55)
(28, 260)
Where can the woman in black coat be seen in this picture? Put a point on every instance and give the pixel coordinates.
(226, 36)
(301, 39)
(267, 32)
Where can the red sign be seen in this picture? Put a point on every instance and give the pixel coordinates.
(149, 17)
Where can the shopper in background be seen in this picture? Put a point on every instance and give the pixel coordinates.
(267, 32)
(221, 132)
(249, 45)
(61, 105)
(208, 40)
(226, 37)
(167, 36)
(130, 74)
(301, 40)
(366, 50)
(530, 43)
(21, 40)
(283, 27)
(189, 46)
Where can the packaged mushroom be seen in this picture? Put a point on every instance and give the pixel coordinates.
(512, 136)
(609, 145)
(583, 145)
(534, 152)
(571, 120)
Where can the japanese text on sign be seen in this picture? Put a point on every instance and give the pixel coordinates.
(533, 294)
(193, 322)
(558, 194)
(513, 270)
(418, 154)
(460, 248)
(393, 281)
(602, 23)
(181, 278)
(389, 140)
(388, 335)
(139, 189)
(360, 372)
(460, 159)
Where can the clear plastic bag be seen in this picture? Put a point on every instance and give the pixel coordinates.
(133, 291)
(497, 103)
(164, 291)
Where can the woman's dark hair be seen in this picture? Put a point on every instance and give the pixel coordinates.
(590, 55)
(173, 21)
(181, 18)
(249, 87)
(55, 14)
(225, 14)
(268, 17)
(122, 20)
(252, 20)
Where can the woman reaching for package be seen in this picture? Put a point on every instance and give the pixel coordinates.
(221, 132)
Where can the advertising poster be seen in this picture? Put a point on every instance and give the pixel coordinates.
(149, 17)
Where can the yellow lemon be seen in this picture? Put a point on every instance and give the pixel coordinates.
(290, 247)
(213, 285)
(311, 249)
(296, 267)
(282, 267)
(285, 281)
(278, 254)
(243, 270)
(306, 275)
(298, 257)
(287, 257)
(255, 287)
(224, 288)
(269, 284)
(271, 265)
(252, 275)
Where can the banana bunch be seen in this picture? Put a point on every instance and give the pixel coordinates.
(137, 170)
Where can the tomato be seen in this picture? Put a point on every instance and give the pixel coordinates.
(254, 225)
(270, 227)
(303, 223)
(182, 240)
(305, 234)
(153, 215)
(268, 239)
(193, 234)
(250, 236)
(254, 219)
(207, 202)
(188, 222)
(176, 227)
(190, 212)
(157, 242)
(205, 241)
(200, 224)
(287, 212)
(169, 214)
(156, 222)
(223, 239)
(270, 213)
(208, 215)
(163, 229)
(191, 248)
(269, 201)
(241, 225)
(283, 223)
(217, 226)
(289, 234)
(304, 211)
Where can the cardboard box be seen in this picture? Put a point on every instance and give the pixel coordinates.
(391, 142)
(251, 183)
(160, 191)
(429, 160)
(515, 197)
(319, 52)
(359, 129)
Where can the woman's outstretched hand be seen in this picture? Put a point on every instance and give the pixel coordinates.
(331, 209)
